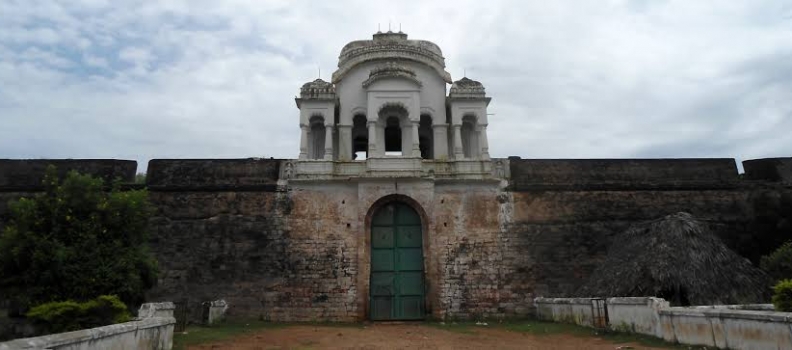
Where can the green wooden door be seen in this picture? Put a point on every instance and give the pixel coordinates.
(397, 277)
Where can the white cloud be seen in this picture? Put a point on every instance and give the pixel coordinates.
(142, 80)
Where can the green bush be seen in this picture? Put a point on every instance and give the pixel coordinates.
(65, 316)
(782, 296)
(778, 264)
(79, 238)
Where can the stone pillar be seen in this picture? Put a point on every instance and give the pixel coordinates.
(484, 143)
(303, 141)
(440, 141)
(328, 142)
(458, 152)
(344, 143)
(372, 138)
(416, 140)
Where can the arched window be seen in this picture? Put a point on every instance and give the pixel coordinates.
(359, 137)
(426, 137)
(469, 137)
(317, 138)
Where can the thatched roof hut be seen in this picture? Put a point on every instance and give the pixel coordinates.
(677, 258)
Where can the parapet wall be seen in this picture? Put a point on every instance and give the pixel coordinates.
(152, 330)
(721, 326)
(769, 169)
(213, 174)
(27, 174)
(539, 174)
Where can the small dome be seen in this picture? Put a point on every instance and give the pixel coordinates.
(467, 88)
(317, 89)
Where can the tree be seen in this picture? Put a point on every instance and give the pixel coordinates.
(75, 241)
(778, 264)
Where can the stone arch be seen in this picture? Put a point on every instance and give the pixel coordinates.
(394, 119)
(364, 254)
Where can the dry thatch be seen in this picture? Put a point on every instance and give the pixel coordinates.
(677, 258)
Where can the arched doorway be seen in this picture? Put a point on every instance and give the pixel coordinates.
(397, 268)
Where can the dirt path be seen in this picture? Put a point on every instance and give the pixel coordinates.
(406, 336)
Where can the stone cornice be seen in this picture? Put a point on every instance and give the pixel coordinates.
(360, 55)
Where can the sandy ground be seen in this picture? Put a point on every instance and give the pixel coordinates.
(407, 336)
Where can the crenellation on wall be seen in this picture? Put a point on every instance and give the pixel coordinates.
(769, 169)
(616, 174)
(248, 174)
(26, 175)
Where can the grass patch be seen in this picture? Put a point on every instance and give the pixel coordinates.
(548, 328)
(197, 335)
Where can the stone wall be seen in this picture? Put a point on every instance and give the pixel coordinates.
(297, 250)
(621, 174)
(566, 212)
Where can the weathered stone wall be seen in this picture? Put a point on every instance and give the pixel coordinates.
(299, 250)
(221, 231)
(769, 169)
(566, 212)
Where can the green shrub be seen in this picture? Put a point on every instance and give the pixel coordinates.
(782, 296)
(79, 238)
(65, 316)
(778, 264)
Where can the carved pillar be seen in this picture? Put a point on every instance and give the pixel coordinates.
(303, 141)
(344, 143)
(372, 138)
(328, 155)
(458, 152)
(416, 147)
(484, 142)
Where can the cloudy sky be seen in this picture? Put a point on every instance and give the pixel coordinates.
(569, 79)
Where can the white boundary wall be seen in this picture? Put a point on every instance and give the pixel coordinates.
(723, 326)
(152, 330)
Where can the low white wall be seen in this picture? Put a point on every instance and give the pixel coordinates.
(727, 328)
(565, 310)
(635, 315)
(724, 326)
(152, 330)
(214, 311)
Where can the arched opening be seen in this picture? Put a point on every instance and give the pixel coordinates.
(426, 137)
(316, 139)
(396, 284)
(469, 137)
(359, 137)
(393, 120)
(393, 137)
